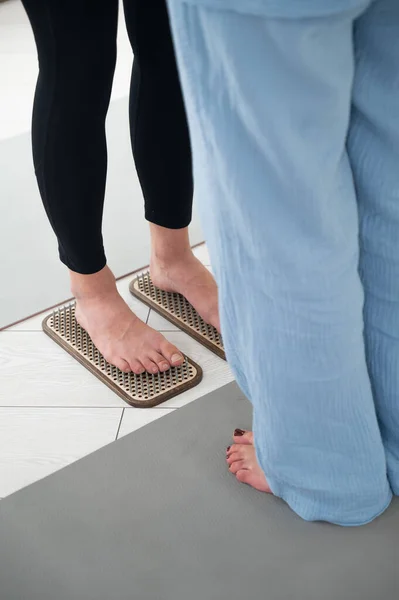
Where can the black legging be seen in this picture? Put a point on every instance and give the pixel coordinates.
(76, 44)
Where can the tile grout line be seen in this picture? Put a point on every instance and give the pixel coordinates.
(120, 423)
(11, 330)
(83, 407)
(177, 330)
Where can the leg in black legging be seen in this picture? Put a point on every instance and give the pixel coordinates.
(76, 45)
(162, 153)
(159, 131)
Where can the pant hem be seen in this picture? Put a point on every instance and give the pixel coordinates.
(166, 222)
(87, 269)
(317, 515)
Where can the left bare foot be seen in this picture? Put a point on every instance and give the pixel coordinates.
(242, 461)
(188, 276)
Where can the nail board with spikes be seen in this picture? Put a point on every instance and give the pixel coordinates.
(176, 309)
(142, 391)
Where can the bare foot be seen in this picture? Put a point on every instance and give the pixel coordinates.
(188, 277)
(242, 461)
(121, 337)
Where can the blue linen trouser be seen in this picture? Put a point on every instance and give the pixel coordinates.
(295, 132)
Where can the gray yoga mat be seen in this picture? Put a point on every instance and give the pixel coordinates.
(157, 516)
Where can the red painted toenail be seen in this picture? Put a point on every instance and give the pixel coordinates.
(228, 448)
(239, 432)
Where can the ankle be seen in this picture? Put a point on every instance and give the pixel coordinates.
(169, 246)
(160, 264)
(90, 287)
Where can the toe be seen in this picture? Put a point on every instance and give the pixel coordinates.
(159, 360)
(234, 449)
(171, 353)
(121, 364)
(234, 455)
(149, 365)
(236, 466)
(136, 367)
(241, 436)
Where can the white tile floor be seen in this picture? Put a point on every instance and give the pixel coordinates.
(53, 411)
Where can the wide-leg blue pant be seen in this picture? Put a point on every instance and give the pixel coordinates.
(295, 132)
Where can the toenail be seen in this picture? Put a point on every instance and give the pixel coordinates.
(228, 448)
(164, 366)
(177, 358)
(154, 369)
(239, 432)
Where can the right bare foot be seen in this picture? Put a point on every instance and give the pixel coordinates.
(121, 337)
